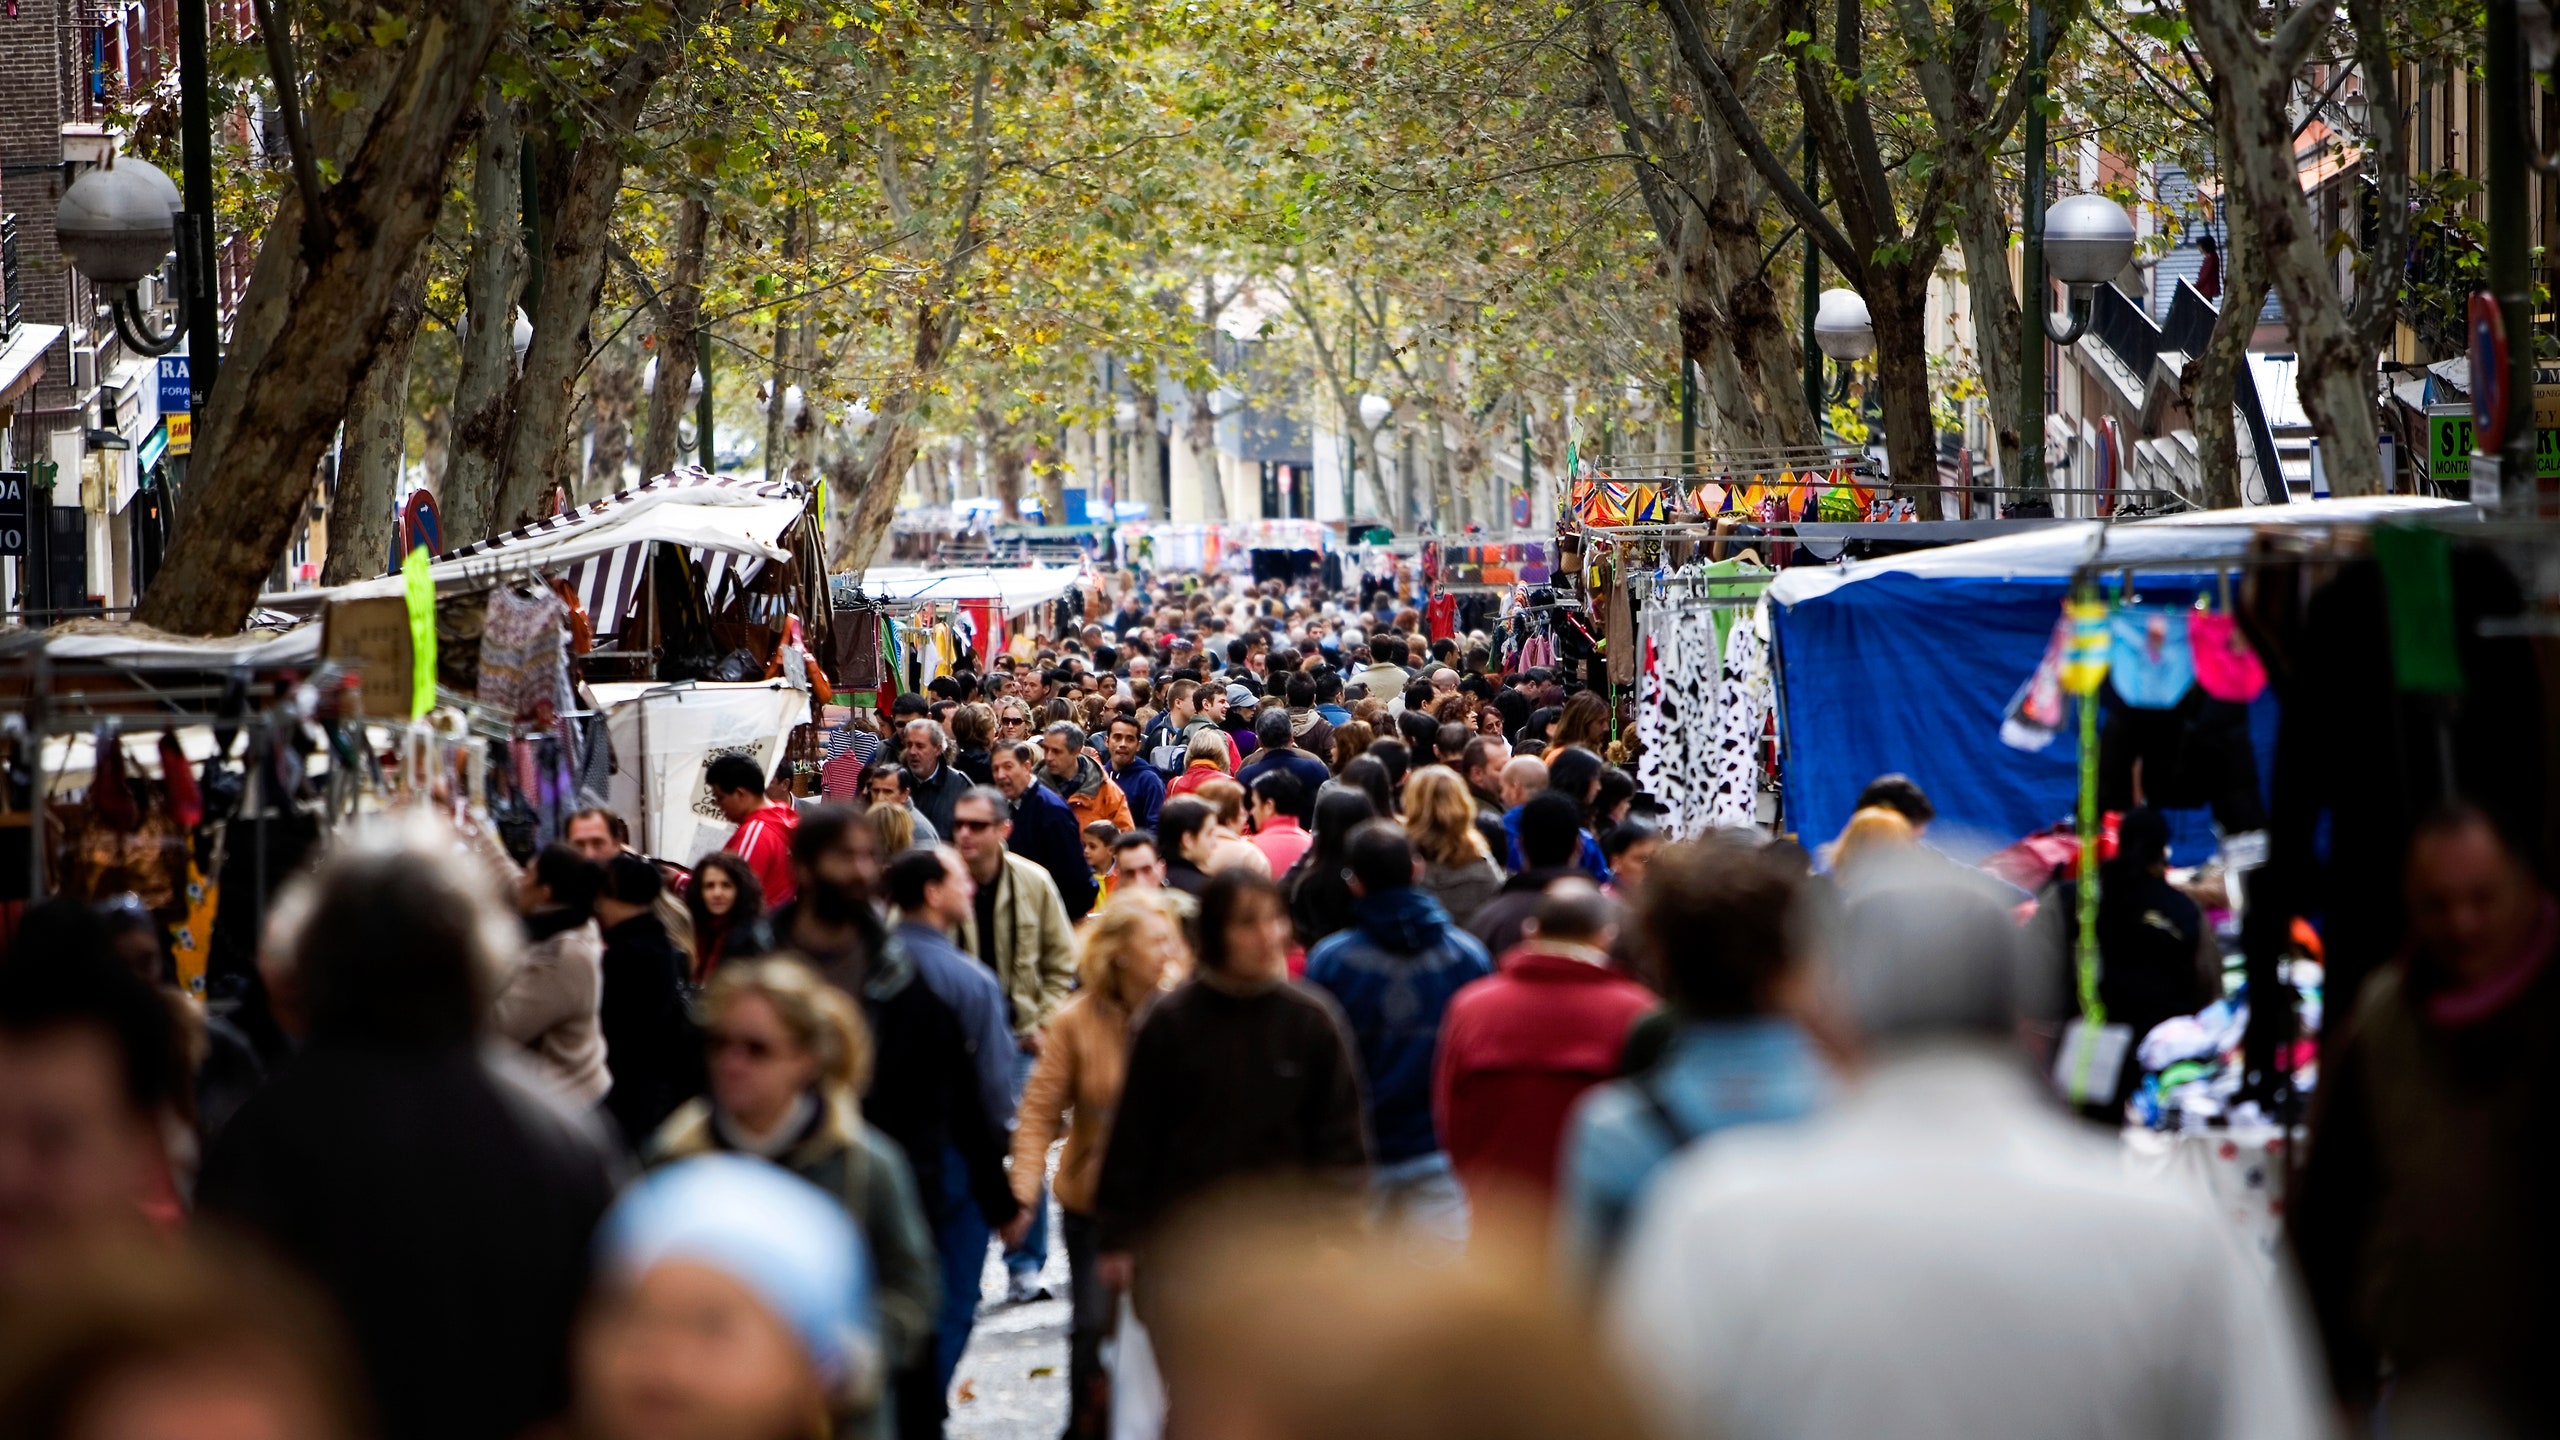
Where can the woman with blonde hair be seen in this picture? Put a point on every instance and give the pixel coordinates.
(1440, 818)
(1131, 951)
(790, 1057)
(1232, 851)
(894, 826)
(1203, 760)
(1872, 834)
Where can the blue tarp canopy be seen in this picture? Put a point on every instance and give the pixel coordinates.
(1905, 664)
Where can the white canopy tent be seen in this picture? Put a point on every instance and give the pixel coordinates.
(1019, 589)
(2059, 550)
(665, 736)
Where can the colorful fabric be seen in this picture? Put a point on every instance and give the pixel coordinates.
(524, 654)
(2226, 668)
(2149, 660)
(2084, 662)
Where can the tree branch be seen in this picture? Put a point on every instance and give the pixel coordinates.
(1712, 79)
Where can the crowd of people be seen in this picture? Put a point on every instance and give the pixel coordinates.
(1384, 1069)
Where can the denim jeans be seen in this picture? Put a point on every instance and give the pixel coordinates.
(1027, 1257)
(960, 1235)
(1421, 1196)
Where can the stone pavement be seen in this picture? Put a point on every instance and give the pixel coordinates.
(1012, 1383)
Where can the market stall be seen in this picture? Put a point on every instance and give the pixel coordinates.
(1909, 663)
(672, 733)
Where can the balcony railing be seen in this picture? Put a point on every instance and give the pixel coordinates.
(12, 308)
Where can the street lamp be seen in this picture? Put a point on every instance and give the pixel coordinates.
(2088, 240)
(117, 223)
(1375, 410)
(1846, 331)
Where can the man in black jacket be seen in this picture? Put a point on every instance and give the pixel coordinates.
(650, 1043)
(442, 1202)
(924, 1084)
(1550, 837)
(924, 747)
(1045, 831)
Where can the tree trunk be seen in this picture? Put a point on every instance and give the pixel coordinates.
(492, 279)
(1200, 433)
(2216, 372)
(1998, 339)
(578, 216)
(367, 71)
(1898, 301)
(1147, 456)
(613, 385)
(870, 501)
(1731, 328)
(280, 408)
(579, 219)
(374, 445)
(2335, 372)
(671, 395)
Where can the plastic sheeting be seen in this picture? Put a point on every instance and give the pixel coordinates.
(664, 736)
(1905, 664)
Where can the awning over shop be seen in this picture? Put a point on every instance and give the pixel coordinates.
(1019, 589)
(2055, 551)
(121, 642)
(732, 521)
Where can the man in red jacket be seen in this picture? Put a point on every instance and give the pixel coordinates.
(1521, 1045)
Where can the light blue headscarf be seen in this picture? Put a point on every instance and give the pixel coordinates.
(780, 1236)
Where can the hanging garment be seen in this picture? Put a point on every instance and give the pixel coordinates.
(1676, 717)
(178, 782)
(857, 657)
(1741, 712)
(1442, 616)
(2035, 714)
(111, 796)
(2226, 668)
(1619, 646)
(2149, 659)
(523, 652)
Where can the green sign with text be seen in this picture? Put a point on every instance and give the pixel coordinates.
(2449, 446)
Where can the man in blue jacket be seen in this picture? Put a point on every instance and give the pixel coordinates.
(1393, 972)
(1138, 780)
(1045, 831)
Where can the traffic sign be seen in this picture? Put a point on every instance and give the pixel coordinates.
(2489, 397)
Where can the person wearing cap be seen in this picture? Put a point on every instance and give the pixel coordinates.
(1243, 701)
(732, 1299)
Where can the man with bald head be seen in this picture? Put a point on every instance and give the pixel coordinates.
(1522, 777)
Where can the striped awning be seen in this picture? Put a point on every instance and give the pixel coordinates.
(731, 525)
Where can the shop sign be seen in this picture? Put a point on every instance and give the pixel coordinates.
(13, 513)
(2449, 439)
(372, 635)
(174, 383)
(182, 431)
